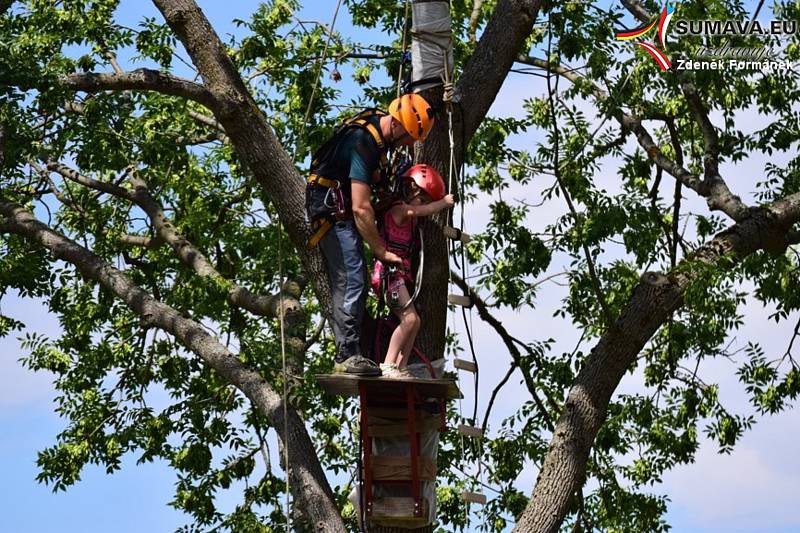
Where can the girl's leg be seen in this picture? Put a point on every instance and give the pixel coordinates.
(413, 322)
(405, 331)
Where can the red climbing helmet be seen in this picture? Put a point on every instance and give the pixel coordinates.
(427, 179)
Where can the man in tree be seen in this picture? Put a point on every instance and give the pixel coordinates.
(344, 171)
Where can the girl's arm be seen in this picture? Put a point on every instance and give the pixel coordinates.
(424, 210)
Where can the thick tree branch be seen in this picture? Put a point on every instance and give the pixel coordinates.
(473, 19)
(650, 306)
(637, 10)
(141, 240)
(306, 476)
(500, 44)
(139, 80)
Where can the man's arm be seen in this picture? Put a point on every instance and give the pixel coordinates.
(365, 223)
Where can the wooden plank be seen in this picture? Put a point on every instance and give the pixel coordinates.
(347, 385)
(400, 413)
(470, 431)
(463, 364)
(399, 429)
(396, 510)
(392, 468)
(473, 497)
(459, 299)
(456, 234)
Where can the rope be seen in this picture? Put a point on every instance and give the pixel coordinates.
(402, 49)
(448, 95)
(448, 92)
(320, 60)
(285, 391)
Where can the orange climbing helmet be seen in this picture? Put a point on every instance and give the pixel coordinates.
(414, 113)
(427, 179)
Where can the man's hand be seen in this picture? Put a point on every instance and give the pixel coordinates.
(365, 223)
(389, 258)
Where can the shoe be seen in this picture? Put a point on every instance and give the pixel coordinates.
(357, 365)
(392, 371)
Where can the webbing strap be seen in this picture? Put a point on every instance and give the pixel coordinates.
(376, 135)
(370, 127)
(359, 121)
(325, 182)
(322, 226)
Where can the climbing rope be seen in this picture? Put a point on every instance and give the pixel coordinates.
(402, 50)
(285, 374)
(448, 97)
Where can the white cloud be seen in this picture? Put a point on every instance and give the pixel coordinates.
(753, 489)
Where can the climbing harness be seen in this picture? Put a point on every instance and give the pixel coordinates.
(387, 281)
(329, 199)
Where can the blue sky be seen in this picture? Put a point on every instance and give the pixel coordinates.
(749, 490)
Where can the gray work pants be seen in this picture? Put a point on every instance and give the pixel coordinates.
(343, 249)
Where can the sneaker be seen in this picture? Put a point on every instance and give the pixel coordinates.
(392, 371)
(357, 365)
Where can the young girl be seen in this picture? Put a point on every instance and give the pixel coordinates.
(422, 195)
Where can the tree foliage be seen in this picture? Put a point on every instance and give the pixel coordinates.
(138, 168)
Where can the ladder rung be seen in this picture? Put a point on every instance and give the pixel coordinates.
(456, 234)
(459, 299)
(463, 364)
(473, 497)
(470, 431)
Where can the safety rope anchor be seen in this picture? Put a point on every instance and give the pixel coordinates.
(473, 497)
(463, 364)
(460, 299)
(456, 234)
(470, 431)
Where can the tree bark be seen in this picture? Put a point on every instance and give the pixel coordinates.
(652, 302)
(307, 480)
(140, 79)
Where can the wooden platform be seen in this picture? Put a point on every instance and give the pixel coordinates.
(347, 385)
